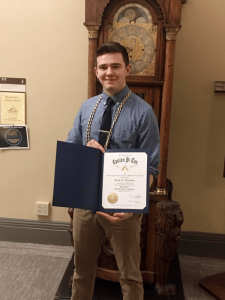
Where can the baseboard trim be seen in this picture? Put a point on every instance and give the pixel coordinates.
(194, 243)
(33, 231)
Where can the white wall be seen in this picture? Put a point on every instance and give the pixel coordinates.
(46, 43)
(197, 140)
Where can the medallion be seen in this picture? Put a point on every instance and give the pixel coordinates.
(13, 137)
(112, 198)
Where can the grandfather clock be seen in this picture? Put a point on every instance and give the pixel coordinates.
(148, 30)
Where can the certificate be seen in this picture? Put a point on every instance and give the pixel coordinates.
(12, 108)
(124, 180)
(116, 181)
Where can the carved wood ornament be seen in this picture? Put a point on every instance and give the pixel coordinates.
(148, 29)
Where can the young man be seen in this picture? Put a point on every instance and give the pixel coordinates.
(135, 126)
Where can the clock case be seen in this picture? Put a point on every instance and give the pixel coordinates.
(161, 227)
(157, 89)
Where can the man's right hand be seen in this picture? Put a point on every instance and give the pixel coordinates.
(95, 144)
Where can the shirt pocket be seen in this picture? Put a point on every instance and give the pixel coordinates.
(123, 140)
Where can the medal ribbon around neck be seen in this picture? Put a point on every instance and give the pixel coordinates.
(114, 121)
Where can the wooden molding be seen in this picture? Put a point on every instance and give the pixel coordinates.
(106, 6)
(171, 33)
(158, 8)
(92, 31)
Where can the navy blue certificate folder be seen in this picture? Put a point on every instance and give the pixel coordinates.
(78, 178)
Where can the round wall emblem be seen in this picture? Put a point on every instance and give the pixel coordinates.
(13, 137)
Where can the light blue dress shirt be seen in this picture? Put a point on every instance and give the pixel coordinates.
(136, 127)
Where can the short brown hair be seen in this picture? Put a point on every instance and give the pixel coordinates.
(112, 47)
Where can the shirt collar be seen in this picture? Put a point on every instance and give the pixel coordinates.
(117, 97)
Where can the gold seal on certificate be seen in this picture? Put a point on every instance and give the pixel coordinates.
(112, 198)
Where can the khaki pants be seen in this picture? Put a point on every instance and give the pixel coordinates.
(124, 236)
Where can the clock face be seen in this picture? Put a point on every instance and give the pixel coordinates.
(133, 28)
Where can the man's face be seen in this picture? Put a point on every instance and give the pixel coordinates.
(111, 72)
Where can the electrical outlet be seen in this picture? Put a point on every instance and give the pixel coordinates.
(42, 208)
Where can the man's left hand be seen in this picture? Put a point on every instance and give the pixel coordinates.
(116, 217)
